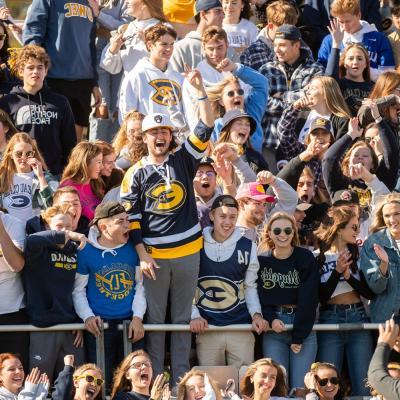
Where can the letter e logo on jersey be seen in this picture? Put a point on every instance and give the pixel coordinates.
(165, 90)
(167, 198)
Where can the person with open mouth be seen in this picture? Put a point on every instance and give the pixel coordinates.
(284, 290)
(133, 380)
(324, 382)
(342, 284)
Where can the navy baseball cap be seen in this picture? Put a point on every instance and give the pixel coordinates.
(204, 5)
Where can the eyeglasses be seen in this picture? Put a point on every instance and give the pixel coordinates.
(368, 139)
(20, 154)
(3, 36)
(91, 379)
(323, 382)
(278, 231)
(140, 364)
(356, 227)
(239, 92)
(209, 174)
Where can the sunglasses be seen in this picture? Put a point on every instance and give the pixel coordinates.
(91, 379)
(278, 231)
(231, 93)
(356, 227)
(20, 154)
(209, 174)
(140, 364)
(323, 382)
(3, 36)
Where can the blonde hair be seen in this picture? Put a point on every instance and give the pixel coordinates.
(120, 382)
(215, 94)
(333, 97)
(7, 165)
(87, 367)
(266, 242)
(378, 222)
(281, 12)
(195, 372)
(49, 213)
(247, 387)
(77, 168)
(340, 7)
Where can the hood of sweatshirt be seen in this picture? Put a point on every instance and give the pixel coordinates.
(357, 37)
(146, 65)
(94, 240)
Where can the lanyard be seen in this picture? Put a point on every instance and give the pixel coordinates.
(166, 177)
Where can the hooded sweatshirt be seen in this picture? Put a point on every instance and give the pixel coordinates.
(48, 277)
(220, 287)
(48, 118)
(107, 282)
(144, 88)
(30, 391)
(377, 44)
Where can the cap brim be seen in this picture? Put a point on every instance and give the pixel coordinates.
(161, 126)
(303, 206)
(258, 197)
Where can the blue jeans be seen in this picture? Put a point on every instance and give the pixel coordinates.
(356, 345)
(277, 347)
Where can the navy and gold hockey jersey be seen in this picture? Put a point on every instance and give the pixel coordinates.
(160, 200)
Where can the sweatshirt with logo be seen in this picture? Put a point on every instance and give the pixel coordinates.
(48, 118)
(48, 278)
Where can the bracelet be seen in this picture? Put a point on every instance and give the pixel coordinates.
(202, 98)
(380, 155)
(378, 120)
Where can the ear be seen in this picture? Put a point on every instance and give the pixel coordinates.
(211, 215)
(76, 384)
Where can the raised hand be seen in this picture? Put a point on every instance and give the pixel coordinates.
(194, 78)
(381, 253)
(337, 33)
(354, 128)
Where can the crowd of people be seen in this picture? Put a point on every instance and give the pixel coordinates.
(206, 163)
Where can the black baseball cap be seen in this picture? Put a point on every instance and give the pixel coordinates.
(107, 210)
(288, 32)
(224, 200)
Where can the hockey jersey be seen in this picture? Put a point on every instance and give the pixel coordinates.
(160, 199)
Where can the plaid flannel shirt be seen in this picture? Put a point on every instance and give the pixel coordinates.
(283, 91)
(257, 54)
(289, 142)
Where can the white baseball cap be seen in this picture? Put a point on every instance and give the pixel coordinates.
(152, 121)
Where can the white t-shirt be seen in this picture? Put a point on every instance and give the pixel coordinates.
(11, 290)
(241, 35)
(18, 201)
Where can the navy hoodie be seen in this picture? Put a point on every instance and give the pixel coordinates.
(67, 30)
(48, 277)
(48, 118)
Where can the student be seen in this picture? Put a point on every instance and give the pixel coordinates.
(12, 385)
(107, 284)
(291, 64)
(216, 272)
(128, 142)
(341, 287)
(173, 238)
(68, 31)
(241, 32)
(357, 31)
(12, 295)
(26, 186)
(197, 385)
(285, 291)
(38, 110)
(262, 50)
(48, 277)
(351, 69)
(81, 383)
(153, 84)
(83, 173)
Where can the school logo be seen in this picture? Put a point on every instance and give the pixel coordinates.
(271, 279)
(219, 294)
(19, 197)
(63, 261)
(167, 198)
(115, 281)
(364, 196)
(165, 90)
(78, 10)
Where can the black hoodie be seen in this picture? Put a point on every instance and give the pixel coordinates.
(53, 124)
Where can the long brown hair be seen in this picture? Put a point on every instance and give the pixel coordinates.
(6, 121)
(247, 387)
(345, 164)
(342, 68)
(120, 382)
(155, 9)
(195, 372)
(266, 242)
(87, 367)
(327, 233)
(77, 168)
(378, 222)
(7, 165)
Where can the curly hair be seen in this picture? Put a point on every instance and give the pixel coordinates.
(20, 57)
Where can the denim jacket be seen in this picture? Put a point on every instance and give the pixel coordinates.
(386, 288)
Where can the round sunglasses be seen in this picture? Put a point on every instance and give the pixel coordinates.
(91, 379)
(323, 382)
(231, 93)
(278, 231)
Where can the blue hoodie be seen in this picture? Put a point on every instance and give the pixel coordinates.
(377, 44)
(67, 31)
(254, 104)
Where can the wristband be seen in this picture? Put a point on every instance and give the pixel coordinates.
(378, 120)
(202, 98)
